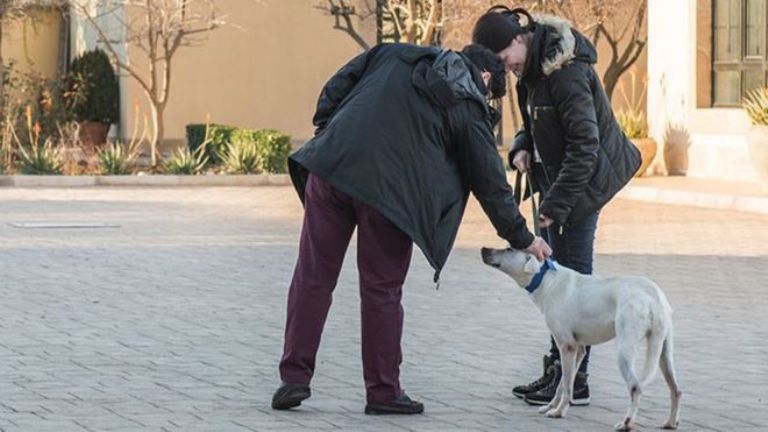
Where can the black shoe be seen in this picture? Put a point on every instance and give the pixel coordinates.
(545, 395)
(290, 395)
(401, 405)
(549, 372)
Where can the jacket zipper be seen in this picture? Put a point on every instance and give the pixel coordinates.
(561, 228)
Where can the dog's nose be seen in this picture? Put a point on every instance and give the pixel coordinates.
(486, 254)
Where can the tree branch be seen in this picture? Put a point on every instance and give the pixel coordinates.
(638, 48)
(108, 44)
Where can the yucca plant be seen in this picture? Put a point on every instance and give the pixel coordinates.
(241, 157)
(118, 158)
(184, 161)
(41, 159)
(756, 106)
(632, 122)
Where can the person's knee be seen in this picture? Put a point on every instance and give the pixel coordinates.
(381, 296)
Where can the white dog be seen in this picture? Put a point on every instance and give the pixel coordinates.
(587, 310)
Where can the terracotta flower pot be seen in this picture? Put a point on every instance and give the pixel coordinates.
(677, 141)
(93, 134)
(648, 148)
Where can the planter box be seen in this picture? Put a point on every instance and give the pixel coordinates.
(146, 180)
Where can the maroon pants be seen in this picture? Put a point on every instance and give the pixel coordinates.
(383, 258)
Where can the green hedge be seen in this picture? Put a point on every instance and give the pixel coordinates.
(272, 147)
(220, 136)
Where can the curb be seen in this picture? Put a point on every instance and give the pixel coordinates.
(671, 196)
(719, 201)
(145, 180)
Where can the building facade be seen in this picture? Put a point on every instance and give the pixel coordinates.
(703, 57)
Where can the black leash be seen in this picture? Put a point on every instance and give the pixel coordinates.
(519, 194)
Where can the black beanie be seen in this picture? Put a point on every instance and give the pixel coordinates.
(496, 28)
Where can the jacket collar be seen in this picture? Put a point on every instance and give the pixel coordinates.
(554, 44)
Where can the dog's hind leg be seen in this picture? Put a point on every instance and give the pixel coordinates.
(667, 366)
(627, 339)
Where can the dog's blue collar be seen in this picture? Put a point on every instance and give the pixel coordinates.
(549, 264)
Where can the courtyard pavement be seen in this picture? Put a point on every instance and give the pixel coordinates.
(170, 317)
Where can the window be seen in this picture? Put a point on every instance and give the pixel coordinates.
(739, 62)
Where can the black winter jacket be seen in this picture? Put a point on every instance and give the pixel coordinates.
(568, 117)
(407, 130)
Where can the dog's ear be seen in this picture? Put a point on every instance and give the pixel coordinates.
(532, 265)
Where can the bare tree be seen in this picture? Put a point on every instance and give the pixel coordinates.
(619, 22)
(413, 21)
(157, 29)
(347, 17)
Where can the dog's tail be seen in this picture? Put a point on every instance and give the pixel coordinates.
(653, 353)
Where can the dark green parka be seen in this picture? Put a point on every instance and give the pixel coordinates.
(407, 130)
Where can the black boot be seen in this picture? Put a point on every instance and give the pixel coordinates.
(549, 372)
(289, 396)
(546, 394)
(401, 405)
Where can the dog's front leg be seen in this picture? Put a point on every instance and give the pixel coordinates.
(555, 400)
(568, 354)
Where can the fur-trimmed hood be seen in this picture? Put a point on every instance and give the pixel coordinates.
(556, 44)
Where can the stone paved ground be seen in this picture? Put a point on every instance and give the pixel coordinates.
(174, 320)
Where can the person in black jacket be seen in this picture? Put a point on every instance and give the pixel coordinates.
(404, 133)
(570, 142)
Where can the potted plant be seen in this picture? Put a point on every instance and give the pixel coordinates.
(632, 120)
(677, 141)
(93, 95)
(756, 107)
(633, 125)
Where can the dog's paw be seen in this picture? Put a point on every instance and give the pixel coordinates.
(626, 425)
(545, 409)
(555, 413)
(670, 425)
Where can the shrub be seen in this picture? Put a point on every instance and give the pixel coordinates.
(117, 158)
(38, 158)
(195, 135)
(218, 138)
(184, 161)
(242, 157)
(241, 150)
(632, 123)
(93, 89)
(756, 106)
(41, 159)
(274, 147)
(31, 98)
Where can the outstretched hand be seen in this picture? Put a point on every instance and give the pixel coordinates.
(539, 248)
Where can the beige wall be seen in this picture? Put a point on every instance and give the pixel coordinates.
(33, 42)
(265, 76)
(264, 73)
